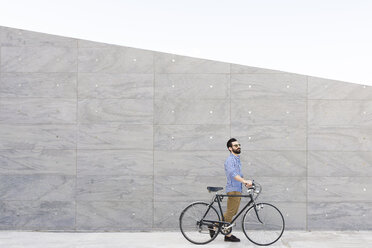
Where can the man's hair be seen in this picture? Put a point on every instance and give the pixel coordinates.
(229, 143)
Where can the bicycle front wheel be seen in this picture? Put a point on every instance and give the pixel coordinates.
(199, 223)
(263, 224)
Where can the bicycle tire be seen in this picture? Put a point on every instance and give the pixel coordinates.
(190, 226)
(265, 230)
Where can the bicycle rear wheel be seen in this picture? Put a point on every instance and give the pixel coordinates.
(263, 224)
(194, 227)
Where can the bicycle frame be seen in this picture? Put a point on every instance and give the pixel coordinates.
(218, 198)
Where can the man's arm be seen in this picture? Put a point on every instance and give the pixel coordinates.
(247, 183)
(232, 173)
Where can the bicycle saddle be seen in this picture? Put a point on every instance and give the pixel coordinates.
(214, 189)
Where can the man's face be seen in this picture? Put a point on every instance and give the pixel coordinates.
(235, 147)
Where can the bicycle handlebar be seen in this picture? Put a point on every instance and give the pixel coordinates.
(255, 189)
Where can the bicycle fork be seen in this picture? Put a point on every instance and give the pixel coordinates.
(255, 210)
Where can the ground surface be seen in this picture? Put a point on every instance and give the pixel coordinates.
(290, 239)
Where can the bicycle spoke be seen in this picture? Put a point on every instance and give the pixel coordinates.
(194, 211)
(253, 223)
(272, 225)
(189, 214)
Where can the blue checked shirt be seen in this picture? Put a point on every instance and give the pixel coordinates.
(232, 169)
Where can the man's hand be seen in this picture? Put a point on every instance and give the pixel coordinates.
(248, 183)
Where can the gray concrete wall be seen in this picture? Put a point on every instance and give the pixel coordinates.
(99, 137)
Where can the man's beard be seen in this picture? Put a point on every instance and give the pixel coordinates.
(236, 151)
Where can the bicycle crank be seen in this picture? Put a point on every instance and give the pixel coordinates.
(226, 230)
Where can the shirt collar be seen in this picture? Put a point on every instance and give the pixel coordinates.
(237, 157)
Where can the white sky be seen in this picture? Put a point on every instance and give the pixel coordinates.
(328, 38)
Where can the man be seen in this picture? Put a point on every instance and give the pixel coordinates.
(234, 184)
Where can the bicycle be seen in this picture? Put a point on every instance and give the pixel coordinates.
(263, 223)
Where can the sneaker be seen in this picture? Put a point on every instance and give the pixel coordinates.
(211, 231)
(232, 238)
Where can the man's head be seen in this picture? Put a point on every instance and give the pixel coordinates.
(233, 146)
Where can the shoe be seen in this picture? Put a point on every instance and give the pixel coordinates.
(232, 238)
(211, 231)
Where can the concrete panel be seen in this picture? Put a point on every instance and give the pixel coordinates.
(191, 137)
(38, 162)
(18, 37)
(114, 162)
(38, 59)
(114, 216)
(115, 136)
(320, 88)
(340, 216)
(294, 214)
(37, 111)
(340, 113)
(273, 163)
(37, 136)
(252, 86)
(124, 111)
(191, 112)
(339, 139)
(97, 85)
(114, 188)
(339, 164)
(268, 112)
(170, 63)
(204, 86)
(173, 188)
(339, 189)
(270, 137)
(58, 85)
(243, 69)
(282, 189)
(37, 187)
(189, 163)
(115, 60)
(166, 216)
(30, 215)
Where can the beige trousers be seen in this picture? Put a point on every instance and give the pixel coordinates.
(232, 205)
